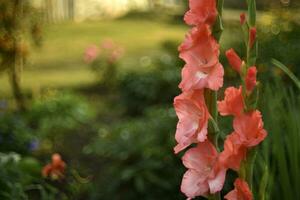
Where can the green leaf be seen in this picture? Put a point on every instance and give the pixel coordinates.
(287, 71)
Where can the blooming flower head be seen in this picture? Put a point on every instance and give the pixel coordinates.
(241, 191)
(249, 128)
(233, 103)
(200, 49)
(233, 152)
(204, 175)
(55, 169)
(251, 78)
(234, 60)
(201, 11)
(91, 53)
(193, 119)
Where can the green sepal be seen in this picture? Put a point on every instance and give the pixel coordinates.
(252, 99)
(252, 12)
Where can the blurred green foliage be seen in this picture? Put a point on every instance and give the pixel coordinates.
(280, 106)
(138, 160)
(140, 89)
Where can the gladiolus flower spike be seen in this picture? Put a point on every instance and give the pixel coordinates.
(202, 75)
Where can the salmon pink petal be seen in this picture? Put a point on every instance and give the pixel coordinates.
(249, 128)
(197, 78)
(241, 191)
(193, 185)
(193, 78)
(233, 103)
(201, 11)
(193, 119)
(215, 77)
(234, 152)
(200, 158)
(216, 183)
(200, 49)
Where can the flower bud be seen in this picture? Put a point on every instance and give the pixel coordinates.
(242, 18)
(252, 36)
(234, 60)
(251, 78)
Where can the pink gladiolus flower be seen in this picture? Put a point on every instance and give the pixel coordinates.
(242, 18)
(234, 60)
(201, 53)
(251, 78)
(197, 78)
(233, 152)
(241, 191)
(201, 11)
(200, 49)
(91, 53)
(204, 176)
(233, 103)
(193, 119)
(249, 128)
(252, 36)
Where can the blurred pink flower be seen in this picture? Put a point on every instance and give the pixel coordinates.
(193, 119)
(116, 54)
(201, 11)
(241, 191)
(108, 44)
(205, 175)
(91, 53)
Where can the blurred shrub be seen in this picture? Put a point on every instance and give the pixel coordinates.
(138, 160)
(141, 89)
(49, 119)
(20, 179)
(57, 113)
(103, 61)
(15, 135)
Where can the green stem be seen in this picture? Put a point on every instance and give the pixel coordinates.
(216, 196)
(211, 96)
(250, 166)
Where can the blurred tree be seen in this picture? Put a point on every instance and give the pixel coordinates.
(15, 21)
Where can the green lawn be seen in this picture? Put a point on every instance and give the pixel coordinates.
(58, 63)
